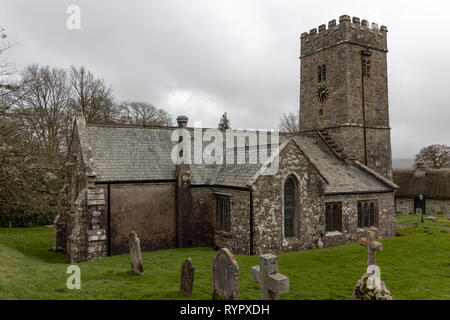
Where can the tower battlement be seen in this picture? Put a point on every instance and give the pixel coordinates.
(354, 31)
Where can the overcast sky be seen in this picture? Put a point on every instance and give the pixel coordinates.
(205, 57)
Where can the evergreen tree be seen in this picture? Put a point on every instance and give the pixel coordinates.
(224, 123)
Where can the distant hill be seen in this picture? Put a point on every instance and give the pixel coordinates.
(402, 163)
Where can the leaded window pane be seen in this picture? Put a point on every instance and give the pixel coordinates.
(289, 208)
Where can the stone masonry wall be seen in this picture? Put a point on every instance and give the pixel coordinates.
(434, 206)
(404, 205)
(268, 204)
(238, 239)
(341, 116)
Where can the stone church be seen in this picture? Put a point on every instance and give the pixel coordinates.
(334, 180)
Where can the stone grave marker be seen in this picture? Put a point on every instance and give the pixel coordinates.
(187, 278)
(370, 286)
(271, 282)
(135, 253)
(418, 211)
(225, 275)
(372, 247)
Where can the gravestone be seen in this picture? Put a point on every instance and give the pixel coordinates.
(418, 211)
(225, 275)
(446, 213)
(187, 278)
(435, 212)
(135, 253)
(370, 286)
(271, 282)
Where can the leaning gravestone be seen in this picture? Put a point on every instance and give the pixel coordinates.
(187, 278)
(135, 253)
(271, 282)
(370, 286)
(225, 276)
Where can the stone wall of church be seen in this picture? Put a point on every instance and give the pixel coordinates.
(350, 231)
(80, 223)
(268, 204)
(238, 239)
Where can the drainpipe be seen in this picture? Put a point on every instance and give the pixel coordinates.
(251, 222)
(364, 53)
(109, 220)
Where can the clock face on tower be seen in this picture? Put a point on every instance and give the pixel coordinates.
(322, 93)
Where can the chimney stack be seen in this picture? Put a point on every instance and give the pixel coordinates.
(182, 121)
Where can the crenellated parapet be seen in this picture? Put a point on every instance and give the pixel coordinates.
(353, 31)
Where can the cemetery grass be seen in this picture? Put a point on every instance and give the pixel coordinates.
(414, 265)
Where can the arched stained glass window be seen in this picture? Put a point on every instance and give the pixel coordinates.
(289, 208)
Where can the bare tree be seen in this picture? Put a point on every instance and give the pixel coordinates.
(290, 122)
(5, 67)
(435, 156)
(92, 97)
(43, 108)
(143, 113)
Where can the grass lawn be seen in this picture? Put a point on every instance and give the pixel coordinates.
(414, 265)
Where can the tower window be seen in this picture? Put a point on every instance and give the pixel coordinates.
(366, 68)
(322, 73)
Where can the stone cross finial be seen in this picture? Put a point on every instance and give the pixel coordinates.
(271, 282)
(135, 253)
(372, 246)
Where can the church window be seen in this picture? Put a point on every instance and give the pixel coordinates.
(322, 73)
(367, 68)
(223, 216)
(333, 217)
(289, 208)
(367, 214)
(360, 220)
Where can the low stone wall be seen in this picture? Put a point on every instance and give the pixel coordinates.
(404, 205)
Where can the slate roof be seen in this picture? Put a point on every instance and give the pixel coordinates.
(431, 183)
(134, 153)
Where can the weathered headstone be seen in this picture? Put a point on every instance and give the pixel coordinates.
(271, 282)
(435, 212)
(135, 253)
(225, 276)
(187, 278)
(446, 213)
(370, 286)
(418, 211)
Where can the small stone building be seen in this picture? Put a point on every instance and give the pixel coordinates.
(334, 180)
(422, 190)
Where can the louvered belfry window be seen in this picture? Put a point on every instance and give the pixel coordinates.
(322, 73)
(289, 208)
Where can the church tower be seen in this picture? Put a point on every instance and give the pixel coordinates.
(344, 90)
